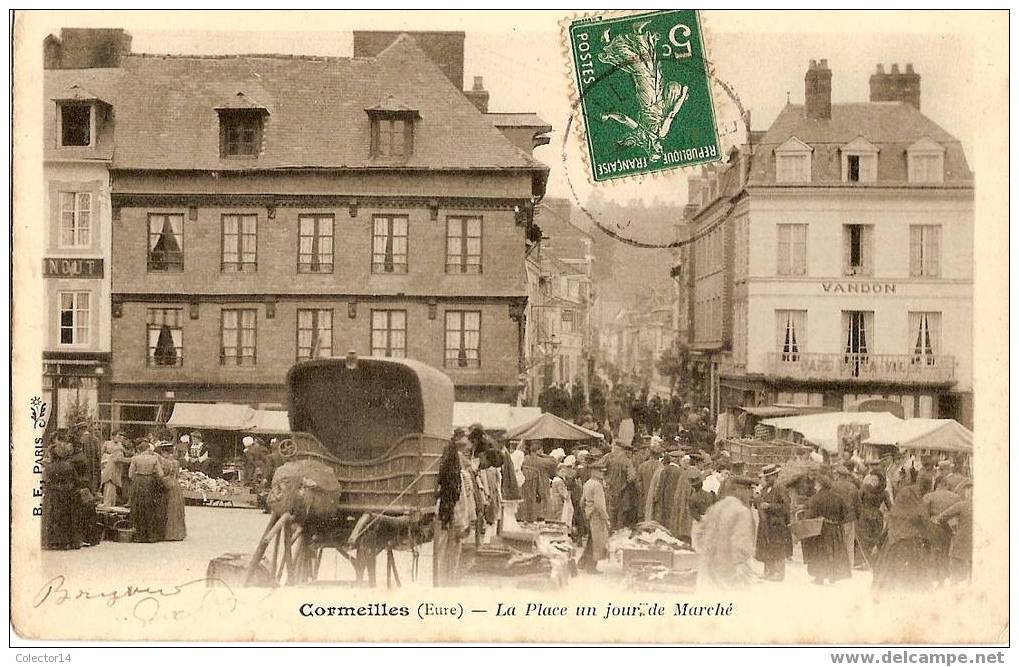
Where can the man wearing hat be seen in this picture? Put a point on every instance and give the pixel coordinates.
(621, 486)
(845, 488)
(936, 502)
(597, 518)
(645, 473)
(774, 541)
(670, 495)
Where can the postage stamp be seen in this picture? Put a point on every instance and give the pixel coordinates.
(645, 93)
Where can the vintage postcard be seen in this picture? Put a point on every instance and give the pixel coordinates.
(536, 327)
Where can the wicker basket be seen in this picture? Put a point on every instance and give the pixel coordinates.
(804, 528)
(123, 531)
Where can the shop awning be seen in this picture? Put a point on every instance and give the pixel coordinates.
(550, 426)
(944, 435)
(269, 422)
(216, 416)
(493, 416)
(782, 410)
(822, 430)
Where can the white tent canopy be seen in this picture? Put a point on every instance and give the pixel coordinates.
(215, 416)
(270, 422)
(822, 429)
(946, 435)
(493, 416)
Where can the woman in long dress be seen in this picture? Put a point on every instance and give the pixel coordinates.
(904, 561)
(147, 509)
(60, 525)
(562, 503)
(826, 555)
(175, 529)
(112, 479)
(535, 490)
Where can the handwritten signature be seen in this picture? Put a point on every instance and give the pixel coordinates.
(148, 603)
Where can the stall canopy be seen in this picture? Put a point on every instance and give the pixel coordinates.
(550, 426)
(782, 410)
(216, 416)
(269, 422)
(822, 429)
(944, 435)
(493, 416)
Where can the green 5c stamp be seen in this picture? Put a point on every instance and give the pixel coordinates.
(645, 93)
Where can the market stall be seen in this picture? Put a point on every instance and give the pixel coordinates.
(550, 427)
(943, 436)
(497, 418)
(824, 430)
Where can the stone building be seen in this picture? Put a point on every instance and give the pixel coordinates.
(842, 270)
(268, 209)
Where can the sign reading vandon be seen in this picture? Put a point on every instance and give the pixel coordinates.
(858, 288)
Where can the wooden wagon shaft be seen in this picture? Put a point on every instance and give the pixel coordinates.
(275, 524)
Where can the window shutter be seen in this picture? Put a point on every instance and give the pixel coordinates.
(780, 322)
(914, 342)
(915, 245)
(375, 137)
(783, 250)
(846, 237)
(933, 254)
(799, 250)
(867, 249)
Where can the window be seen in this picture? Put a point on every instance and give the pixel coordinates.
(392, 137)
(858, 325)
(389, 333)
(240, 132)
(793, 168)
(314, 333)
(463, 245)
(792, 332)
(389, 244)
(75, 124)
(238, 337)
(74, 318)
(463, 338)
(859, 161)
(926, 162)
(166, 242)
(240, 243)
(165, 336)
(315, 244)
(925, 251)
(927, 168)
(924, 329)
(857, 250)
(854, 167)
(792, 250)
(75, 219)
(567, 321)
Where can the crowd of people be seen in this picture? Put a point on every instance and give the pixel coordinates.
(82, 479)
(908, 520)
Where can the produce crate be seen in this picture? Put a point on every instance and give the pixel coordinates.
(638, 557)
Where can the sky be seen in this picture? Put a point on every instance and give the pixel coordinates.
(762, 56)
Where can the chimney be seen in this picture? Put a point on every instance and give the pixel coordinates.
(895, 86)
(478, 95)
(817, 90)
(85, 48)
(445, 49)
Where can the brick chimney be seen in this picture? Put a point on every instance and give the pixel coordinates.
(478, 95)
(446, 49)
(895, 86)
(817, 89)
(84, 48)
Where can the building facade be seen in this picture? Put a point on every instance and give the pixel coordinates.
(268, 209)
(80, 86)
(851, 254)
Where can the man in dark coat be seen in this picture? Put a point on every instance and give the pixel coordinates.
(663, 491)
(845, 486)
(88, 448)
(774, 541)
(620, 487)
(645, 473)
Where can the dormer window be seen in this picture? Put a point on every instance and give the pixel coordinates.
(76, 121)
(926, 162)
(77, 117)
(240, 126)
(792, 162)
(859, 161)
(240, 133)
(392, 129)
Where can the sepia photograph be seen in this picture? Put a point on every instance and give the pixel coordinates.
(558, 327)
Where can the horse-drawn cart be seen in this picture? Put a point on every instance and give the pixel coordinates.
(360, 467)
